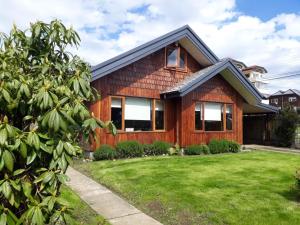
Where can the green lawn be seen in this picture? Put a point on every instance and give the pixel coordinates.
(81, 213)
(245, 188)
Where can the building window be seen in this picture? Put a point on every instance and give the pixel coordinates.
(213, 116)
(159, 115)
(172, 57)
(116, 112)
(198, 116)
(274, 100)
(176, 57)
(209, 116)
(228, 117)
(138, 114)
(292, 99)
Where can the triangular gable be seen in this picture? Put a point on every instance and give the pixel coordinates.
(184, 35)
(229, 72)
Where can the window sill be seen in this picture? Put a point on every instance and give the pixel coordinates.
(221, 131)
(127, 132)
(176, 69)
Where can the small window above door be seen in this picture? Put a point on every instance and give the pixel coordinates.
(176, 58)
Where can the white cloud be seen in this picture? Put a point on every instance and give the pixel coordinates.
(108, 28)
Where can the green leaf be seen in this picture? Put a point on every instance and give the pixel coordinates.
(36, 141)
(37, 217)
(6, 189)
(6, 95)
(1, 163)
(27, 188)
(27, 118)
(3, 219)
(23, 150)
(59, 148)
(76, 86)
(18, 172)
(3, 136)
(68, 117)
(31, 157)
(46, 148)
(8, 160)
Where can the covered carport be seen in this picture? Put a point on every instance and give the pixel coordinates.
(259, 124)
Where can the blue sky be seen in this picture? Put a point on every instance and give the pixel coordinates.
(267, 9)
(265, 32)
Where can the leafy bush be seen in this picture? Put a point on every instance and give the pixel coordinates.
(148, 149)
(160, 148)
(287, 124)
(197, 150)
(218, 146)
(157, 148)
(105, 152)
(223, 146)
(129, 149)
(297, 178)
(234, 146)
(43, 90)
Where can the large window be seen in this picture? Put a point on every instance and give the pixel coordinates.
(176, 57)
(159, 115)
(213, 116)
(137, 114)
(209, 116)
(228, 117)
(198, 116)
(116, 112)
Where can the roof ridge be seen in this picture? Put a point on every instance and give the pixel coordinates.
(149, 47)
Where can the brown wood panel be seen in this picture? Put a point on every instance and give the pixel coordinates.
(147, 78)
(214, 90)
(144, 78)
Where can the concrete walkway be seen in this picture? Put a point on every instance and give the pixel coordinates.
(116, 210)
(272, 148)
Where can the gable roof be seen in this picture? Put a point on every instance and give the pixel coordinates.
(229, 72)
(186, 37)
(287, 92)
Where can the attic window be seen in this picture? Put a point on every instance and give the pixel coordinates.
(176, 57)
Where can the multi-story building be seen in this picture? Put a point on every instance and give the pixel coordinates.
(255, 74)
(288, 97)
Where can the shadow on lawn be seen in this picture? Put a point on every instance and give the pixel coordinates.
(292, 194)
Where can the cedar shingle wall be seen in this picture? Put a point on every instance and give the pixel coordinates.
(147, 78)
(144, 78)
(214, 90)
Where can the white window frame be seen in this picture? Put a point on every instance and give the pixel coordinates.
(292, 99)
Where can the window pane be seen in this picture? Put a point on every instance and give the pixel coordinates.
(172, 57)
(138, 114)
(213, 116)
(159, 115)
(228, 117)
(182, 59)
(198, 116)
(116, 112)
(137, 109)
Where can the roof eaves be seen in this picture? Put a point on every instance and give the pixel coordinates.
(267, 107)
(202, 79)
(225, 64)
